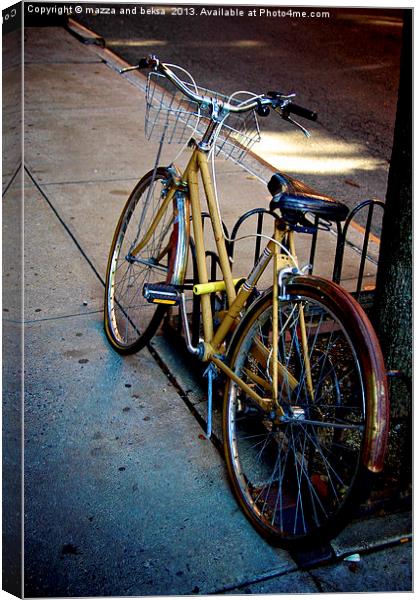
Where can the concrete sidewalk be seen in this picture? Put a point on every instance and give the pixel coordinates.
(123, 493)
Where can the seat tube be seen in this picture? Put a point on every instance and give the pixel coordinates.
(275, 336)
(303, 329)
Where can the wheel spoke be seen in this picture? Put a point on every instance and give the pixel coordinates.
(131, 320)
(297, 468)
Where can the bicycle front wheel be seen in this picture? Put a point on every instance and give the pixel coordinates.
(300, 465)
(130, 321)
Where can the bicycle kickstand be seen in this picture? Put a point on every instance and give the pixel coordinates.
(210, 373)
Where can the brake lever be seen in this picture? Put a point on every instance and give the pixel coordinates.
(281, 108)
(298, 125)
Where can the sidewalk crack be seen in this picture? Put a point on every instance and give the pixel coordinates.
(255, 580)
(66, 227)
(11, 180)
(59, 317)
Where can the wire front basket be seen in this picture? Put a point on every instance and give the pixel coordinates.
(170, 114)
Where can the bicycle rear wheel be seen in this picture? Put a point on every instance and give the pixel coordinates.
(130, 321)
(298, 475)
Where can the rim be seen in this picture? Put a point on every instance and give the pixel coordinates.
(279, 495)
(130, 308)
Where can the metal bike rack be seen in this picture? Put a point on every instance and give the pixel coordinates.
(341, 239)
(261, 213)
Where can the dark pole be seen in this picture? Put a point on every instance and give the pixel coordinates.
(392, 312)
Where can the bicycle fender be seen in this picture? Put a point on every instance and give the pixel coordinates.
(182, 225)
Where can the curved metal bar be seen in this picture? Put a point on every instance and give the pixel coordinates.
(206, 215)
(250, 213)
(358, 208)
(340, 247)
(364, 250)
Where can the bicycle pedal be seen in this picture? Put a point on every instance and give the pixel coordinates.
(161, 293)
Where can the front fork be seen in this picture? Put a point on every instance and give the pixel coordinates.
(178, 247)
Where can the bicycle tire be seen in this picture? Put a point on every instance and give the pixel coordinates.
(298, 479)
(130, 321)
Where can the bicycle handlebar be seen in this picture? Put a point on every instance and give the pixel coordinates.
(276, 100)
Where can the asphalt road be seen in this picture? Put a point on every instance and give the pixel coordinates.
(344, 64)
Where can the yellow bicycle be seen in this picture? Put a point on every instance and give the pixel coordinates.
(305, 415)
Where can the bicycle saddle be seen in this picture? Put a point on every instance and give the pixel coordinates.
(294, 199)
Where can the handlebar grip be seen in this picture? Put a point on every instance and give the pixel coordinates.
(306, 113)
(144, 63)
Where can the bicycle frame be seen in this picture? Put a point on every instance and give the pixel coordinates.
(184, 190)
